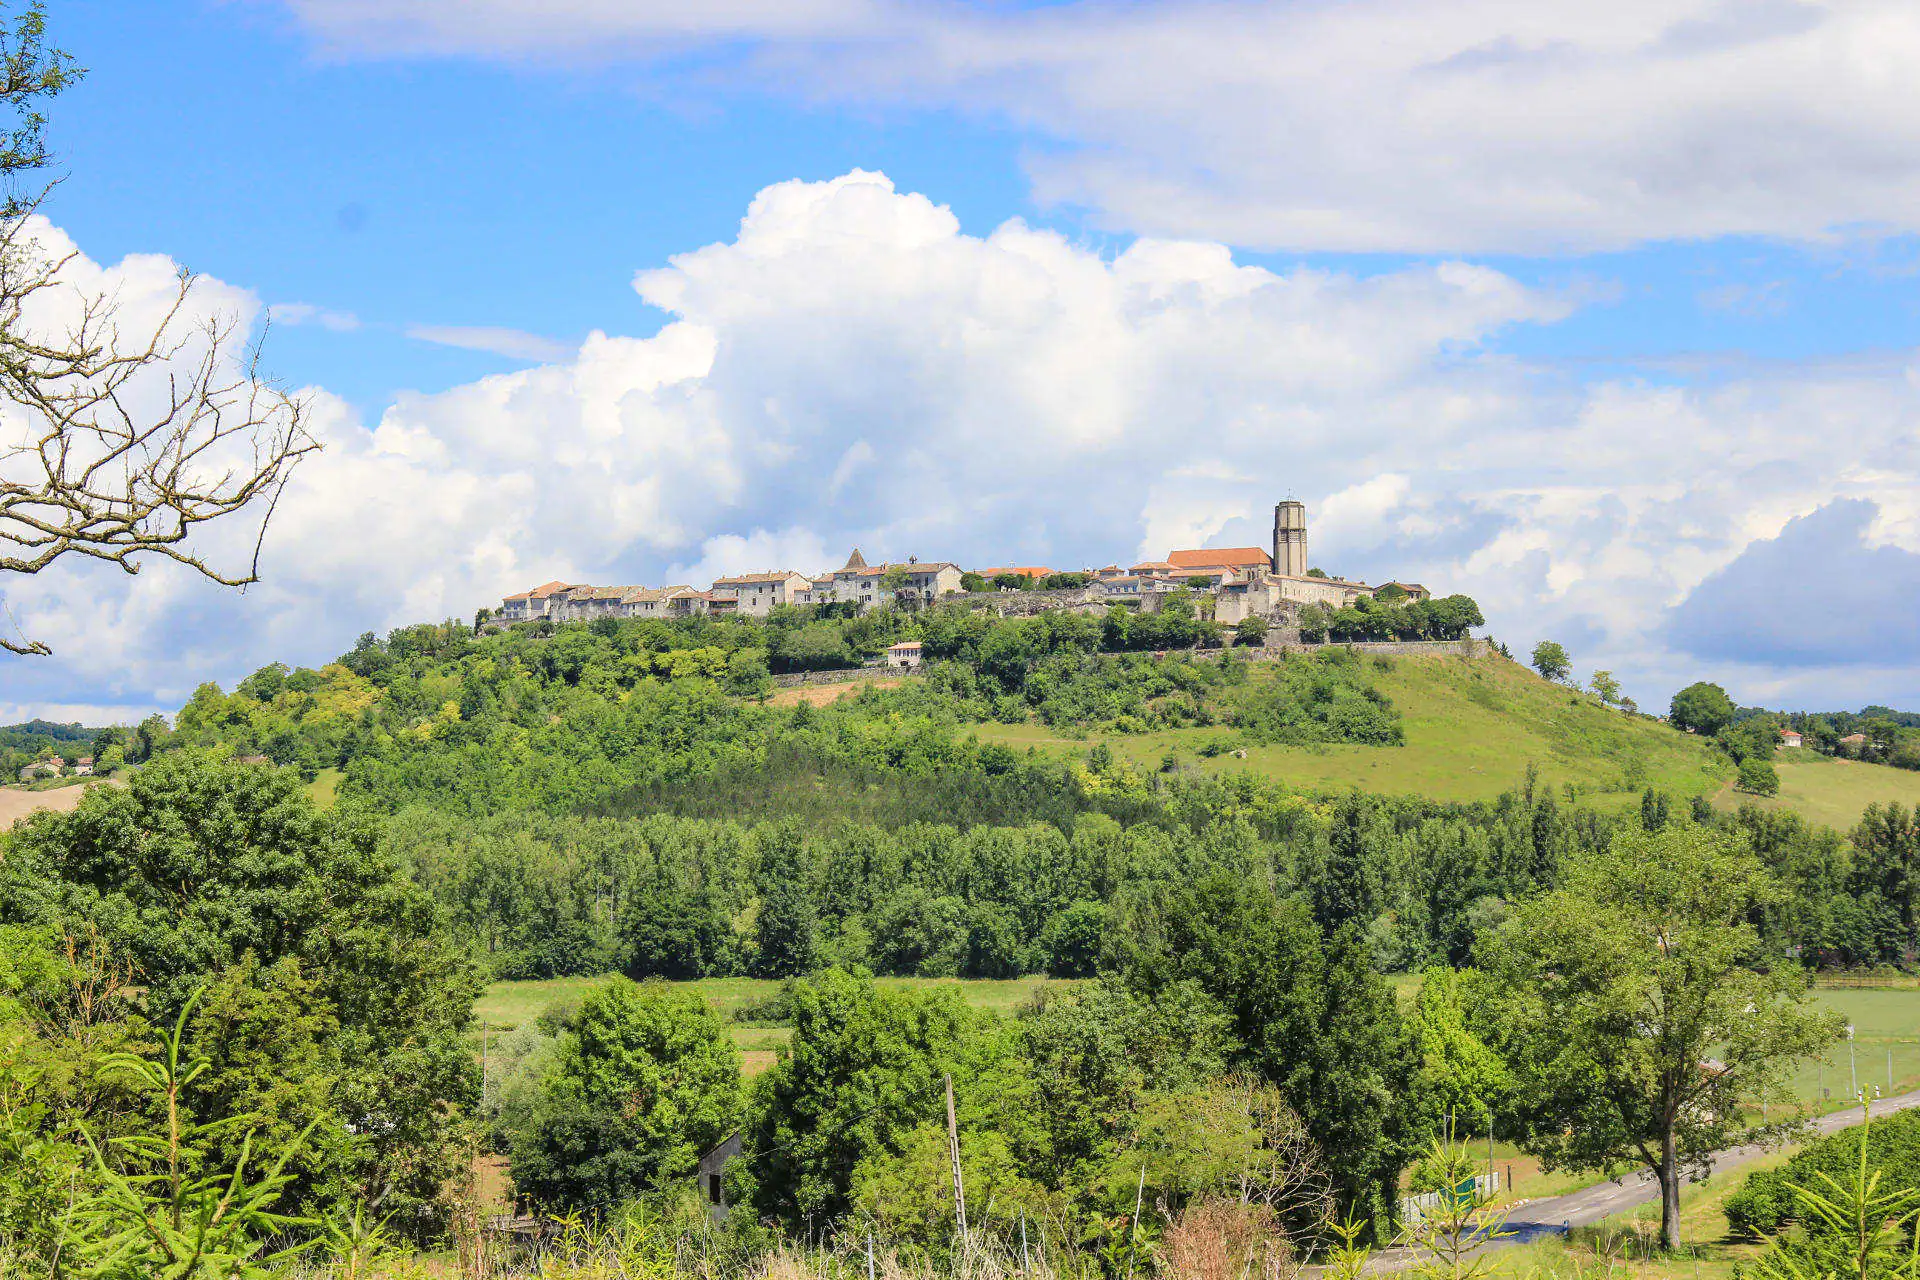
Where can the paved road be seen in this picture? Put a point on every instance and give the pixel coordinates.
(1556, 1214)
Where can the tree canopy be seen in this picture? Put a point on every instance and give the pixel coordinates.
(1641, 1020)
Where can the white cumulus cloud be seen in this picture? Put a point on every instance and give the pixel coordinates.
(855, 367)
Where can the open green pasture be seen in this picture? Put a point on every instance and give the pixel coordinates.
(1831, 792)
(1472, 729)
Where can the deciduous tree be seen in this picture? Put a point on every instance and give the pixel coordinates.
(646, 1081)
(1551, 661)
(1640, 1023)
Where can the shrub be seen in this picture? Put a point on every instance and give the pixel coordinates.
(1758, 777)
(1765, 1203)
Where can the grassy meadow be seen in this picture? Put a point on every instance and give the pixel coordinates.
(1472, 728)
(1830, 791)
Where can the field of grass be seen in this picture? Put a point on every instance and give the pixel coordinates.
(505, 1005)
(1829, 791)
(325, 788)
(1472, 728)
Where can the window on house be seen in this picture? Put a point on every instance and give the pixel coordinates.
(713, 1188)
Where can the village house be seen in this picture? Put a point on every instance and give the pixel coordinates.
(525, 606)
(1221, 562)
(1790, 738)
(863, 585)
(905, 654)
(83, 767)
(756, 594)
(1031, 572)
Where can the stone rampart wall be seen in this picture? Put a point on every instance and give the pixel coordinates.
(1468, 648)
(795, 679)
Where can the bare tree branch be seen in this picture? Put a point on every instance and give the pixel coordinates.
(115, 449)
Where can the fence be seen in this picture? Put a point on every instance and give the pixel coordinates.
(1415, 1208)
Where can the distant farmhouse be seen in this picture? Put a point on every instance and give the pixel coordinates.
(1268, 582)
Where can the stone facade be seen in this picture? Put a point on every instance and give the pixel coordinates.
(756, 594)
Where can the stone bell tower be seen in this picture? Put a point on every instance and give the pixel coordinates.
(1290, 539)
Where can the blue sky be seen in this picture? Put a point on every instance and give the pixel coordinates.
(1588, 315)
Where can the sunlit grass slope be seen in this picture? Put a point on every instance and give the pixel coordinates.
(1472, 730)
(1831, 792)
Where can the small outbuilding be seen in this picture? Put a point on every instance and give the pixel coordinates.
(713, 1175)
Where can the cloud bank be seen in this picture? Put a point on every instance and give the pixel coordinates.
(1533, 126)
(855, 367)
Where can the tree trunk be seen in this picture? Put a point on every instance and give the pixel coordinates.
(1669, 1191)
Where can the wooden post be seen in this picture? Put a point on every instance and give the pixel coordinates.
(1133, 1237)
(869, 1253)
(953, 1150)
(1026, 1260)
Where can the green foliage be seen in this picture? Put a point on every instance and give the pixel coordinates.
(1099, 1053)
(1766, 1204)
(1459, 1082)
(1551, 661)
(863, 1074)
(644, 1083)
(202, 871)
(1701, 707)
(1758, 777)
(784, 929)
(1624, 980)
(1451, 1238)
(1310, 1014)
(164, 1204)
(31, 71)
(1849, 1226)
(1379, 618)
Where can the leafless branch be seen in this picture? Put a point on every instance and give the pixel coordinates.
(116, 449)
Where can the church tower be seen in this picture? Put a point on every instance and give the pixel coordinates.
(1290, 539)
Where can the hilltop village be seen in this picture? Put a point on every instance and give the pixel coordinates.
(1228, 583)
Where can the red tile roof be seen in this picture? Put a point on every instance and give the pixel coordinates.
(1234, 557)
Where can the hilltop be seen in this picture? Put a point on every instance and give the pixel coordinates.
(633, 716)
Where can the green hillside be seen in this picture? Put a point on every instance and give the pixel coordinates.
(1831, 791)
(1472, 730)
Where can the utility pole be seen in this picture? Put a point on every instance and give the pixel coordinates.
(953, 1149)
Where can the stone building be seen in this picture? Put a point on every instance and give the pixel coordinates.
(758, 593)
